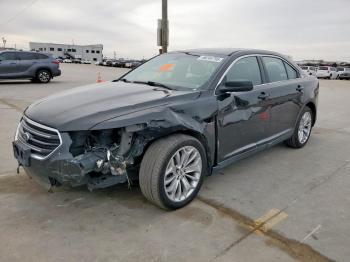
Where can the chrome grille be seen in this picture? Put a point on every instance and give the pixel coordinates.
(42, 140)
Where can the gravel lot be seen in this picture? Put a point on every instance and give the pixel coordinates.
(279, 205)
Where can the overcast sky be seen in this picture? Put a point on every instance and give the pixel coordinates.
(303, 29)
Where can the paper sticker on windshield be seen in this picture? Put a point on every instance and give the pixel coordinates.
(165, 67)
(210, 58)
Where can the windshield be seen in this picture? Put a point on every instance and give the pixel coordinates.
(176, 70)
(340, 69)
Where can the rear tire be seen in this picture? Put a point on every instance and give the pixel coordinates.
(43, 76)
(302, 130)
(172, 171)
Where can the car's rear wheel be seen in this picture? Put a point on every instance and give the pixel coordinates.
(172, 171)
(303, 129)
(43, 76)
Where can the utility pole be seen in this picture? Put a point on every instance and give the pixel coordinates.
(165, 28)
(4, 41)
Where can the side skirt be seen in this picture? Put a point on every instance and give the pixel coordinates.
(260, 146)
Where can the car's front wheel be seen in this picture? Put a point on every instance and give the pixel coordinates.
(172, 171)
(303, 129)
(43, 76)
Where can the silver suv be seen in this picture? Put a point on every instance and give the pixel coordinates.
(28, 65)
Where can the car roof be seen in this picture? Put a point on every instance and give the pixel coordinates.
(18, 51)
(216, 51)
(228, 51)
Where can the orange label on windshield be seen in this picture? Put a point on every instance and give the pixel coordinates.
(165, 67)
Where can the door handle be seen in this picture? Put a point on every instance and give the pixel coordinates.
(263, 95)
(300, 88)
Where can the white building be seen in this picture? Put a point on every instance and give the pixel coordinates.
(83, 52)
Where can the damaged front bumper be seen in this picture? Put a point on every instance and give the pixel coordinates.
(70, 171)
(98, 167)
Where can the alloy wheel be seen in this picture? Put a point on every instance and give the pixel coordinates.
(305, 127)
(183, 173)
(44, 76)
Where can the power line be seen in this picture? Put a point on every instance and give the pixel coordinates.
(19, 13)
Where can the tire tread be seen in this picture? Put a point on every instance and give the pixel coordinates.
(152, 163)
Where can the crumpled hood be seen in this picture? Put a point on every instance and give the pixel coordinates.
(83, 107)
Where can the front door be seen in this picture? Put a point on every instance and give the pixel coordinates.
(243, 117)
(8, 64)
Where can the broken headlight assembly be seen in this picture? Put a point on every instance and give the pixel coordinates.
(102, 155)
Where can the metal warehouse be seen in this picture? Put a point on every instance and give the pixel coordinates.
(83, 52)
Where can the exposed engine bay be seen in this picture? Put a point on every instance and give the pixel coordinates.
(105, 156)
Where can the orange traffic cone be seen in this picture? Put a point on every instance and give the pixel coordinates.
(99, 78)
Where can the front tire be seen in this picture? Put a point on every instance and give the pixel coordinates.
(302, 130)
(43, 76)
(172, 171)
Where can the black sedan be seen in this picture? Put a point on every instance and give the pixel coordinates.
(168, 123)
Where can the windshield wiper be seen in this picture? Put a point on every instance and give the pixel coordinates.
(152, 83)
(124, 80)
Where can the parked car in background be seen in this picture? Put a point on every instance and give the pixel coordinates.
(76, 61)
(309, 70)
(85, 62)
(170, 122)
(132, 63)
(128, 64)
(28, 65)
(121, 63)
(135, 64)
(67, 60)
(327, 72)
(117, 63)
(98, 63)
(344, 73)
(110, 62)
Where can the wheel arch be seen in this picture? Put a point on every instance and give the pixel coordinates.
(312, 106)
(43, 68)
(200, 137)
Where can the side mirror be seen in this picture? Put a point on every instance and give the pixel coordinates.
(236, 86)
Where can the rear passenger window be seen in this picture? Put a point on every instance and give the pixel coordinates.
(26, 56)
(275, 69)
(41, 56)
(245, 69)
(292, 74)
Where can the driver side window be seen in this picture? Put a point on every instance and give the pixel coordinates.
(8, 56)
(245, 69)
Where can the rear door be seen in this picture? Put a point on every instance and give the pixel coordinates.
(286, 90)
(8, 64)
(26, 61)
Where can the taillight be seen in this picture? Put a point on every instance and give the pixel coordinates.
(55, 62)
